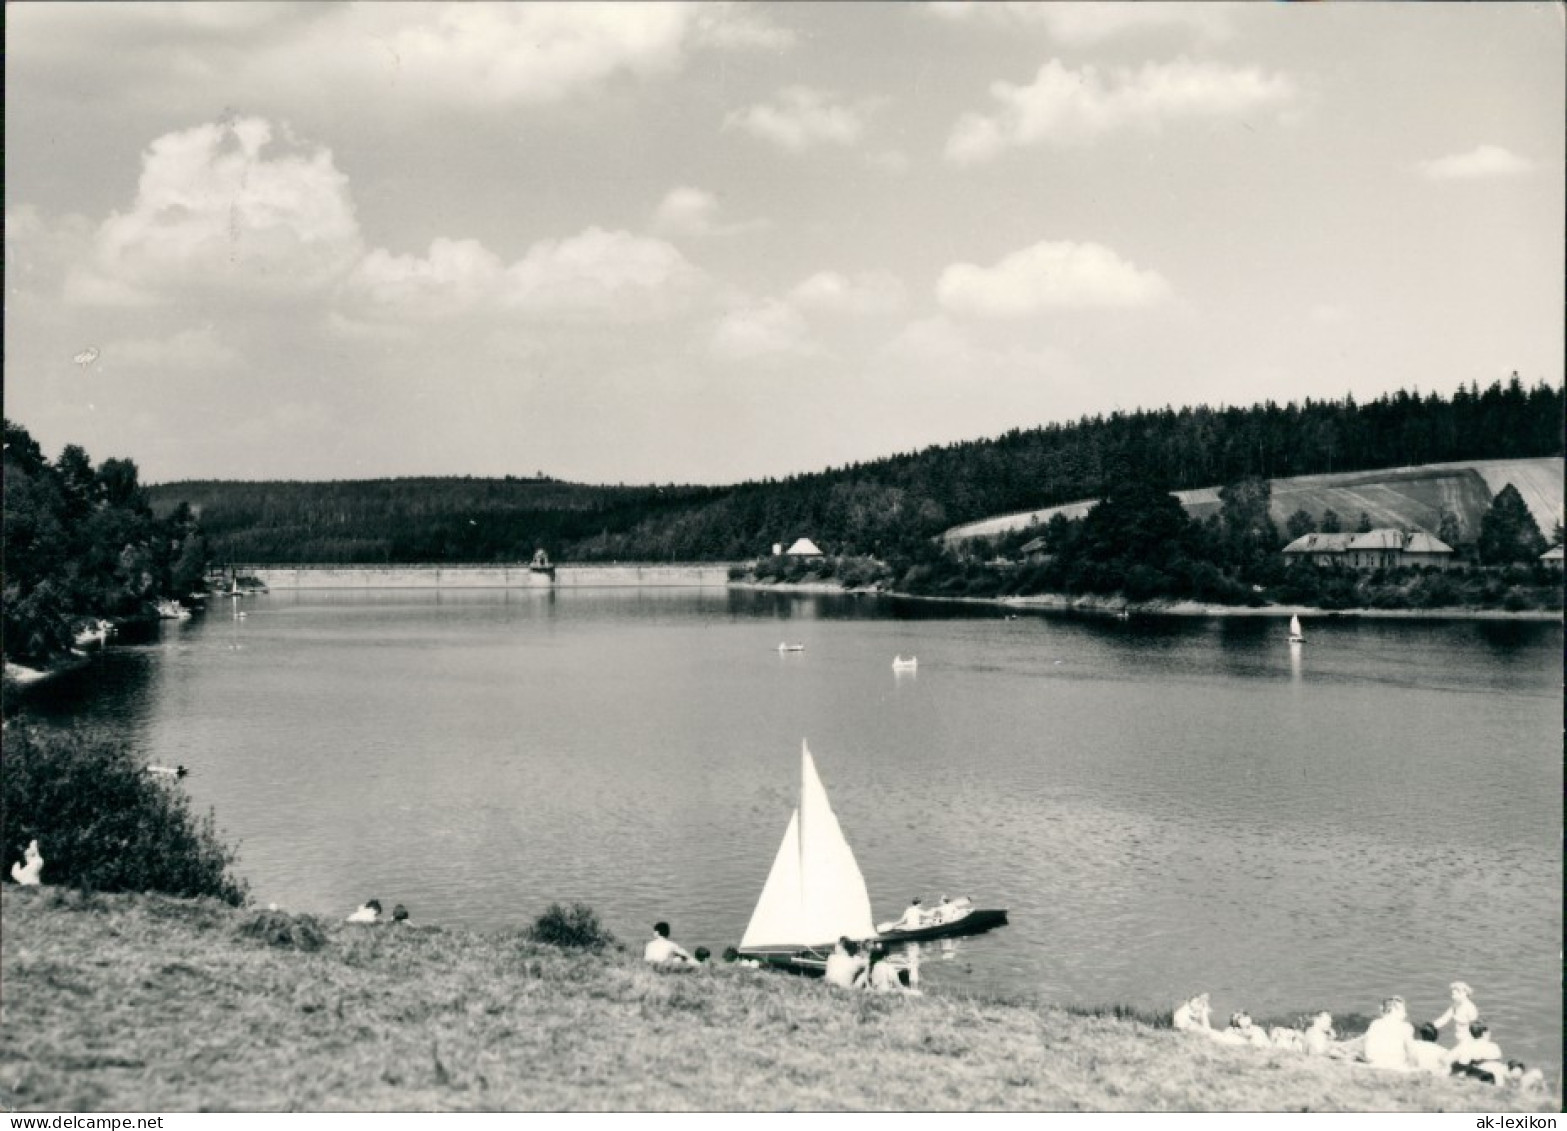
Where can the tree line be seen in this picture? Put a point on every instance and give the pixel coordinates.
(882, 508)
(82, 541)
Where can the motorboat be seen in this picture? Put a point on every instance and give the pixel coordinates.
(947, 920)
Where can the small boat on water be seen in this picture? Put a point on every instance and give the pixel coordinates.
(169, 609)
(944, 922)
(899, 664)
(1296, 636)
(785, 647)
(167, 771)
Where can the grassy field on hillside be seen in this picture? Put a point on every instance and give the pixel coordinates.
(1406, 498)
(147, 1003)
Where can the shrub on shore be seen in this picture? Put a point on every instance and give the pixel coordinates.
(576, 927)
(103, 823)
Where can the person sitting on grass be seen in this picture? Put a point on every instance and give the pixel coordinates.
(1193, 1015)
(1243, 1032)
(732, 955)
(1319, 1036)
(662, 952)
(1478, 1055)
(367, 912)
(703, 954)
(1462, 1013)
(883, 975)
(399, 914)
(1284, 1037)
(845, 966)
(1425, 1055)
(30, 873)
(1388, 1038)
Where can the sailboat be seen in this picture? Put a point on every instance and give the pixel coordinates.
(1296, 636)
(815, 893)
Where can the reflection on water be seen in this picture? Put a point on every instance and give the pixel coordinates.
(1163, 805)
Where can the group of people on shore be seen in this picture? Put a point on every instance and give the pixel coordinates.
(851, 966)
(1391, 1041)
(370, 912)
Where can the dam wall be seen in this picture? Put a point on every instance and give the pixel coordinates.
(519, 576)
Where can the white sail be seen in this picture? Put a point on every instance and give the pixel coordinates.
(815, 892)
(1295, 633)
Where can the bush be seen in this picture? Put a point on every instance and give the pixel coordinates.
(103, 823)
(280, 929)
(576, 927)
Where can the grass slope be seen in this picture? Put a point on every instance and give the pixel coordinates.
(1405, 497)
(145, 1003)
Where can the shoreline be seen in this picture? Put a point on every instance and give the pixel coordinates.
(136, 1002)
(1111, 606)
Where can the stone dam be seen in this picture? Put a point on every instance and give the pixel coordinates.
(499, 576)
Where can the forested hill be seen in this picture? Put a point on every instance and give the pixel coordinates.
(885, 507)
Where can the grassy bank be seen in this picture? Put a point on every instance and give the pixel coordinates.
(134, 1003)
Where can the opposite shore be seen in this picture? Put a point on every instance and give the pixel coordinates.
(1112, 606)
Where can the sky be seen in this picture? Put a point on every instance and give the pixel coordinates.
(667, 243)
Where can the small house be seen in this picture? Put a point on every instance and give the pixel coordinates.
(803, 548)
(1552, 559)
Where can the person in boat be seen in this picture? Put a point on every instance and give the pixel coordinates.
(1319, 1036)
(367, 912)
(943, 911)
(661, 951)
(1462, 1013)
(1193, 1015)
(1388, 1038)
(913, 919)
(846, 965)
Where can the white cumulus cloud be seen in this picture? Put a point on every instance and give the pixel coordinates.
(870, 292)
(1049, 275)
(600, 272)
(687, 211)
(1064, 105)
(529, 53)
(762, 330)
(225, 206)
(799, 117)
(1482, 162)
(1083, 25)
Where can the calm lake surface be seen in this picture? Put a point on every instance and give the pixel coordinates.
(1165, 806)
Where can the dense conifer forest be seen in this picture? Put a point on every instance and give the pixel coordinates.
(882, 508)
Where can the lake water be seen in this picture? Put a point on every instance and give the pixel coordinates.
(1165, 806)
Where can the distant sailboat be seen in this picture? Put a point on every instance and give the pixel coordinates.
(1296, 636)
(815, 893)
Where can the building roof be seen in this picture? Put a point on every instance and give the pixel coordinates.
(1554, 554)
(804, 547)
(1033, 547)
(1319, 544)
(1418, 542)
(1422, 543)
(1384, 539)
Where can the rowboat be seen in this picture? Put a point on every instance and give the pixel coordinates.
(899, 664)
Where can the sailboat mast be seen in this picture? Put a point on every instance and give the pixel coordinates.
(805, 762)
